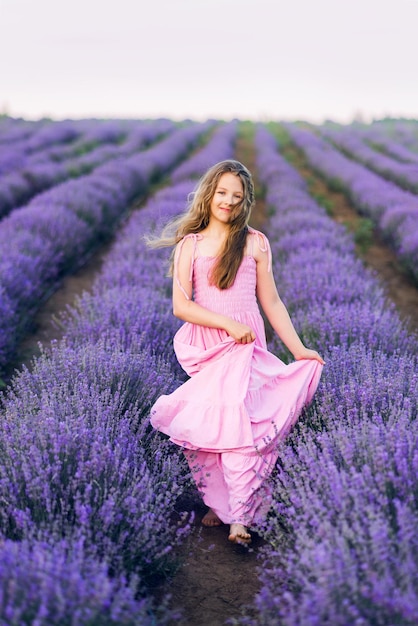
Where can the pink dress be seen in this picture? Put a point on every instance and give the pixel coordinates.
(239, 401)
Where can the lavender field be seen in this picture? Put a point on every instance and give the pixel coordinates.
(381, 186)
(91, 498)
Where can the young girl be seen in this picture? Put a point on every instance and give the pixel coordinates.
(240, 400)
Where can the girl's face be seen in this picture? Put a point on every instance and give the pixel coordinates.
(228, 193)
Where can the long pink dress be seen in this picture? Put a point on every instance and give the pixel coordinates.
(239, 401)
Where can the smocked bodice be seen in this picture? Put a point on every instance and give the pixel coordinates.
(239, 298)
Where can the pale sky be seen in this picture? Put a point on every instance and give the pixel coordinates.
(255, 59)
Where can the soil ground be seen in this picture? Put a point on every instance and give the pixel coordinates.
(215, 578)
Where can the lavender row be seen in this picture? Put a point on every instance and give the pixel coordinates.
(378, 139)
(78, 462)
(95, 132)
(45, 169)
(89, 488)
(90, 135)
(54, 144)
(50, 134)
(393, 210)
(32, 140)
(352, 144)
(59, 227)
(79, 467)
(60, 584)
(341, 546)
(13, 130)
(404, 132)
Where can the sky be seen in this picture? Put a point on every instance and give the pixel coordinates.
(199, 59)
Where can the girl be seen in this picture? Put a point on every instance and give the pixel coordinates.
(240, 400)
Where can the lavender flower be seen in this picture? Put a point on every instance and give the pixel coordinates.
(44, 583)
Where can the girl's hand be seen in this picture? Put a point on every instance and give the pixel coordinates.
(241, 333)
(306, 353)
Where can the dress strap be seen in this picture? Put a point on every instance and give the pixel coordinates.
(196, 237)
(263, 244)
(252, 244)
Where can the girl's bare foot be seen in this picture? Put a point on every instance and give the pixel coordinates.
(239, 534)
(211, 519)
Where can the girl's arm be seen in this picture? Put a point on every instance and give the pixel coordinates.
(276, 311)
(189, 311)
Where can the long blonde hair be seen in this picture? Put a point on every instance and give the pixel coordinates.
(197, 215)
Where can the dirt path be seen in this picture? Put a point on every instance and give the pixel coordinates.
(376, 255)
(215, 579)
